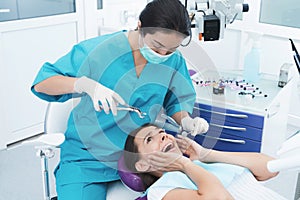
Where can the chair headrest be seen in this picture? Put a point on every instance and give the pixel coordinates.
(130, 179)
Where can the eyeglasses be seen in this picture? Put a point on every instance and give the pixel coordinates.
(186, 41)
(157, 46)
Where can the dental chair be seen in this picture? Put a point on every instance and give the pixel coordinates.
(55, 124)
(130, 179)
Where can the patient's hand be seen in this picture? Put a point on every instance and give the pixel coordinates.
(167, 161)
(191, 148)
(257, 164)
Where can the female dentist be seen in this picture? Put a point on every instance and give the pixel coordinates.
(141, 68)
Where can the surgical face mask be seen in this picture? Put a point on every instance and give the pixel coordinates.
(153, 57)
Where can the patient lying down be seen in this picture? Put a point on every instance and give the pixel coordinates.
(206, 174)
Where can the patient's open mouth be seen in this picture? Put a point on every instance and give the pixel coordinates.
(168, 147)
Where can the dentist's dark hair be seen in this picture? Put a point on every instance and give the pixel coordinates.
(131, 156)
(166, 14)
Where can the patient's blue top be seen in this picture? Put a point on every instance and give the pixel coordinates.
(94, 140)
(176, 179)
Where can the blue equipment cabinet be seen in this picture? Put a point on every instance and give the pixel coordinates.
(244, 130)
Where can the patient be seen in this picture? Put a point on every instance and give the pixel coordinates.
(204, 174)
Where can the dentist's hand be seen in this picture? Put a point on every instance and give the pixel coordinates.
(196, 125)
(108, 98)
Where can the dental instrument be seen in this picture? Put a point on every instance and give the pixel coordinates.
(129, 108)
(253, 95)
(296, 55)
(180, 130)
(133, 109)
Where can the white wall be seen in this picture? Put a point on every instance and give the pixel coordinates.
(119, 15)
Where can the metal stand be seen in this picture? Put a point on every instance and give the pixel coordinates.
(45, 152)
(45, 145)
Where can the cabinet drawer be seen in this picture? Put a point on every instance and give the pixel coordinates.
(222, 114)
(211, 143)
(248, 132)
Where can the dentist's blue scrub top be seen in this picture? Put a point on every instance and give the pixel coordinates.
(95, 140)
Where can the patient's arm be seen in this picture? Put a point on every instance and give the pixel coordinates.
(209, 186)
(179, 194)
(255, 162)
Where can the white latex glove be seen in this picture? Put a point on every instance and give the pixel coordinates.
(195, 125)
(108, 98)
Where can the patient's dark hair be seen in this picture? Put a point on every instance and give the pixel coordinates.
(131, 156)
